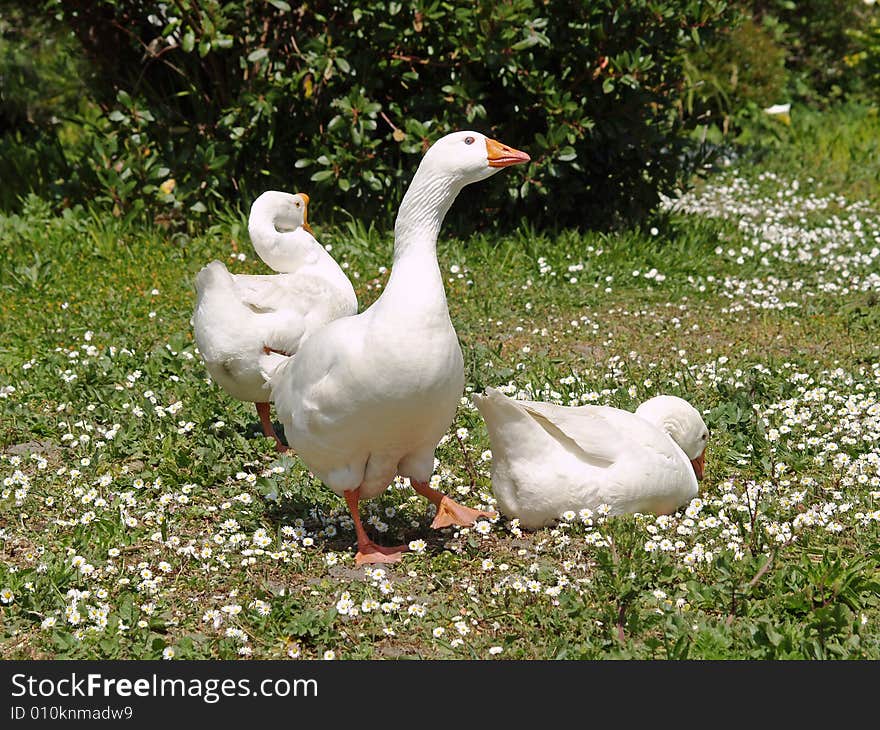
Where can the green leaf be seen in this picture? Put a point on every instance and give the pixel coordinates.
(188, 42)
(281, 5)
(524, 43)
(258, 55)
(321, 175)
(108, 646)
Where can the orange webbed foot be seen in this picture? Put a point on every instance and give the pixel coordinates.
(372, 553)
(452, 513)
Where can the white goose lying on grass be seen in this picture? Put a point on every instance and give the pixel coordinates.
(246, 325)
(369, 397)
(548, 459)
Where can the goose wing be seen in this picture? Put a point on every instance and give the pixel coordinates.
(594, 431)
(269, 293)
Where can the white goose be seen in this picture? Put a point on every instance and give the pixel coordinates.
(547, 459)
(246, 325)
(369, 397)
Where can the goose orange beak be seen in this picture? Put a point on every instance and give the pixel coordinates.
(500, 155)
(306, 213)
(698, 465)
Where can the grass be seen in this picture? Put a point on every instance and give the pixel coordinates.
(141, 513)
(840, 149)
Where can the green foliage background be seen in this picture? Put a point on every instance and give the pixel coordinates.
(342, 99)
(813, 53)
(169, 112)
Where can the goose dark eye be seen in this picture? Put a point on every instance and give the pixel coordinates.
(468, 140)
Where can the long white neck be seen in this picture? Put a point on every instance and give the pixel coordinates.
(423, 209)
(415, 276)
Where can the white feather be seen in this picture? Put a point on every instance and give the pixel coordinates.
(547, 459)
(237, 316)
(369, 397)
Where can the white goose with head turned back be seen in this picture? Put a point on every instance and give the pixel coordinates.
(548, 459)
(246, 325)
(369, 397)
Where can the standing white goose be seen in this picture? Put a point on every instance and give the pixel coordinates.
(547, 459)
(369, 397)
(245, 325)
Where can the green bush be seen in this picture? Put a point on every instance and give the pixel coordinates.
(866, 59)
(340, 98)
(40, 87)
(817, 36)
(737, 75)
(813, 52)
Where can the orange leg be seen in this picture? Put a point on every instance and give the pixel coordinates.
(268, 429)
(449, 512)
(368, 551)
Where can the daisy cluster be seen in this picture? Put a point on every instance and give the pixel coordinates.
(829, 244)
(143, 517)
(820, 430)
(821, 442)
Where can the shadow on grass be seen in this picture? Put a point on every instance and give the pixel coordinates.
(318, 507)
(254, 430)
